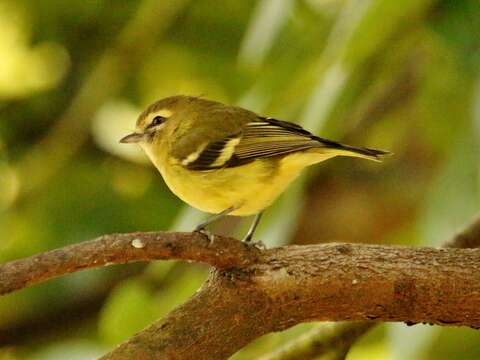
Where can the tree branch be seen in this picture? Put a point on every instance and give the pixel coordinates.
(333, 282)
(123, 248)
(253, 292)
(321, 340)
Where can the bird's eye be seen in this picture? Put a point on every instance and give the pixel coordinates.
(158, 120)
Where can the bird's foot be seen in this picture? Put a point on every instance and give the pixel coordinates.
(256, 244)
(201, 230)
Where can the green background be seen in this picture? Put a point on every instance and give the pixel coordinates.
(396, 75)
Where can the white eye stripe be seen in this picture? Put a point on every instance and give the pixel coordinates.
(163, 113)
(158, 127)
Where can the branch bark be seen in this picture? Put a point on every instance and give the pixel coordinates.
(123, 248)
(297, 284)
(252, 292)
(321, 339)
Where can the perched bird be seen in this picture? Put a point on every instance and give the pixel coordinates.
(227, 160)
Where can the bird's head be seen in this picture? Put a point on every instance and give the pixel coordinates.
(158, 120)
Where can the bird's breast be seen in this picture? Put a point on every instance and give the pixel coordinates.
(251, 187)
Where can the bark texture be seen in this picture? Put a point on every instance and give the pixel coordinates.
(297, 284)
(251, 292)
(123, 248)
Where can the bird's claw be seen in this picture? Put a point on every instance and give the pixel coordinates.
(256, 244)
(206, 233)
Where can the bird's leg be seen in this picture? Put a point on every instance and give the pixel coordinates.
(201, 227)
(253, 227)
(214, 218)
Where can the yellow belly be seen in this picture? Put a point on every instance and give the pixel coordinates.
(249, 188)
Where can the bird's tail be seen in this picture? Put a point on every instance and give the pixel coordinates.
(365, 153)
(361, 152)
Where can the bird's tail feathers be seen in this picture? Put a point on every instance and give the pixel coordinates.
(361, 152)
(364, 153)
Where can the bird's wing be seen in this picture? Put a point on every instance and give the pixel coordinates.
(257, 139)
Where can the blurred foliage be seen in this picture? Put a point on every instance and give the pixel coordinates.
(400, 75)
(26, 69)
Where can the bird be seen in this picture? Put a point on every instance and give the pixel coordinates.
(227, 160)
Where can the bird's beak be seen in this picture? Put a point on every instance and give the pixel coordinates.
(132, 138)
